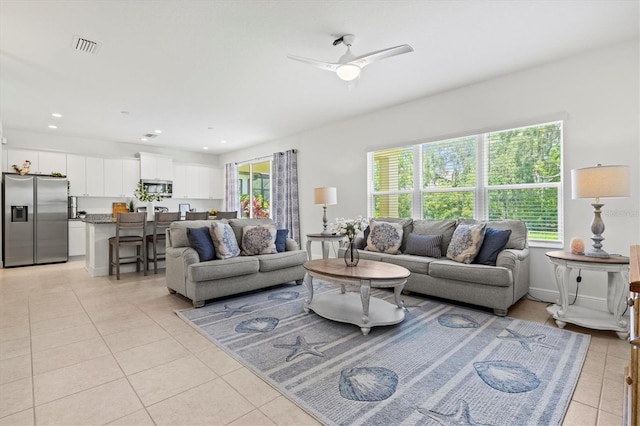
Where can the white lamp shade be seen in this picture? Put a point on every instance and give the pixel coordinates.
(348, 72)
(325, 196)
(600, 182)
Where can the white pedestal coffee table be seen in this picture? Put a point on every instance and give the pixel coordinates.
(362, 310)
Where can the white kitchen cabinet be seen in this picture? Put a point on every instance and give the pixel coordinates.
(95, 176)
(216, 179)
(180, 187)
(77, 238)
(120, 177)
(77, 175)
(42, 162)
(155, 167)
(197, 182)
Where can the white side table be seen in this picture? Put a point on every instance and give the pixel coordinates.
(325, 239)
(617, 269)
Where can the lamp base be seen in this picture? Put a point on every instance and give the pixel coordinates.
(597, 227)
(597, 253)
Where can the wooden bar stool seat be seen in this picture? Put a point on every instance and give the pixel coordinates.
(135, 236)
(158, 238)
(197, 216)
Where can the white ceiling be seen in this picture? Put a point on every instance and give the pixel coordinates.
(205, 71)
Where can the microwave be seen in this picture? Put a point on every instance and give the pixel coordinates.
(164, 187)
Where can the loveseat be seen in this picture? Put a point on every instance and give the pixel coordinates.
(201, 280)
(500, 280)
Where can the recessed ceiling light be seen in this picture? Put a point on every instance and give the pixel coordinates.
(52, 126)
(223, 141)
(205, 147)
(56, 115)
(144, 139)
(157, 131)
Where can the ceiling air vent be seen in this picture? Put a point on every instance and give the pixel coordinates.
(84, 45)
(150, 135)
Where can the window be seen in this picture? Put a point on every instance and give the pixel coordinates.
(254, 188)
(509, 174)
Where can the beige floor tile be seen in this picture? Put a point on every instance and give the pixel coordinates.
(608, 419)
(75, 378)
(16, 396)
(588, 389)
(15, 347)
(219, 361)
(193, 341)
(174, 325)
(23, 418)
(254, 418)
(150, 355)
(612, 396)
(139, 418)
(169, 379)
(251, 386)
(580, 415)
(55, 311)
(124, 323)
(285, 413)
(15, 368)
(213, 403)
(619, 348)
(95, 406)
(595, 362)
(614, 367)
(55, 339)
(60, 323)
(73, 353)
(599, 344)
(135, 337)
(15, 332)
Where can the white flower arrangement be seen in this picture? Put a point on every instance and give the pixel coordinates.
(349, 227)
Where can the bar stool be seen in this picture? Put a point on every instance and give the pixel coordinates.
(227, 215)
(128, 222)
(161, 222)
(197, 216)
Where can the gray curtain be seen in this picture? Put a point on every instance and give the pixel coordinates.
(231, 198)
(284, 206)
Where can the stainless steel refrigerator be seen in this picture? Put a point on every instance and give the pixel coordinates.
(34, 218)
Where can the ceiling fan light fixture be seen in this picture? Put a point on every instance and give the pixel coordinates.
(348, 72)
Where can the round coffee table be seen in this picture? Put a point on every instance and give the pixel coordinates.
(363, 310)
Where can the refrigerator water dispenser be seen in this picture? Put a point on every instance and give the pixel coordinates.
(19, 213)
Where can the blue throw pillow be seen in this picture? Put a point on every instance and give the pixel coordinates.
(200, 240)
(281, 239)
(495, 240)
(424, 245)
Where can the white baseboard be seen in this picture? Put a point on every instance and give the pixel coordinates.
(551, 296)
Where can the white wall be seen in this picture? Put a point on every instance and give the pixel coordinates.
(597, 94)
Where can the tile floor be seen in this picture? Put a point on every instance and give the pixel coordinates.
(77, 350)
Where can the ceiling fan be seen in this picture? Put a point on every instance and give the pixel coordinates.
(349, 66)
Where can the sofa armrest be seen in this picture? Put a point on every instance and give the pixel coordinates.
(291, 245)
(508, 258)
(177, 261)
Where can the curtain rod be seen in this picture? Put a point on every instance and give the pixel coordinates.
(295, 151)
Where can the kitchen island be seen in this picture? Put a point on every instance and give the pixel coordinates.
(101, 227)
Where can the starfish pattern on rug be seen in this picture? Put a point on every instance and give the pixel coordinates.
(230, 311)
(461, 417)
(301, 347)
(527, 342)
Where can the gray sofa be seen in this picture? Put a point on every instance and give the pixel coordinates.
(496, 287)
(201, 281)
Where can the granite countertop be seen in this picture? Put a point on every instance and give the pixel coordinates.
(99, 218)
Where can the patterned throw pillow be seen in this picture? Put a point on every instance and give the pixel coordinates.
(224, 240)
(424, 245)
(200, 240)
(259, 240)
(384, 237)
(466, 242)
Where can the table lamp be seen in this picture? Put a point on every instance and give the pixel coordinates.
(325, 197)
(599, 182)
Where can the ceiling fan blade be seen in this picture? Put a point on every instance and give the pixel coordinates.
(324, 65)
(364, 60)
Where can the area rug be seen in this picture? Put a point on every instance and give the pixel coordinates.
(444, 364)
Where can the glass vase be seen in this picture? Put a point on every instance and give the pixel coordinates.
(351, 255)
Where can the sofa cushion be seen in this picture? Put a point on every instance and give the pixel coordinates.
(481, 274)
(238, 224)
(224, 241)
(219, 269)
(287, 259)
(466, 242)
(415, 264)
(424, 245)
(493, 243)
(385, 237)
(518, 238)
(200, 240)
(259, 239)
(407, 228)
(436, 227)
(281, 240)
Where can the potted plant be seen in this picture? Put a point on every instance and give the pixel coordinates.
(142, 194)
